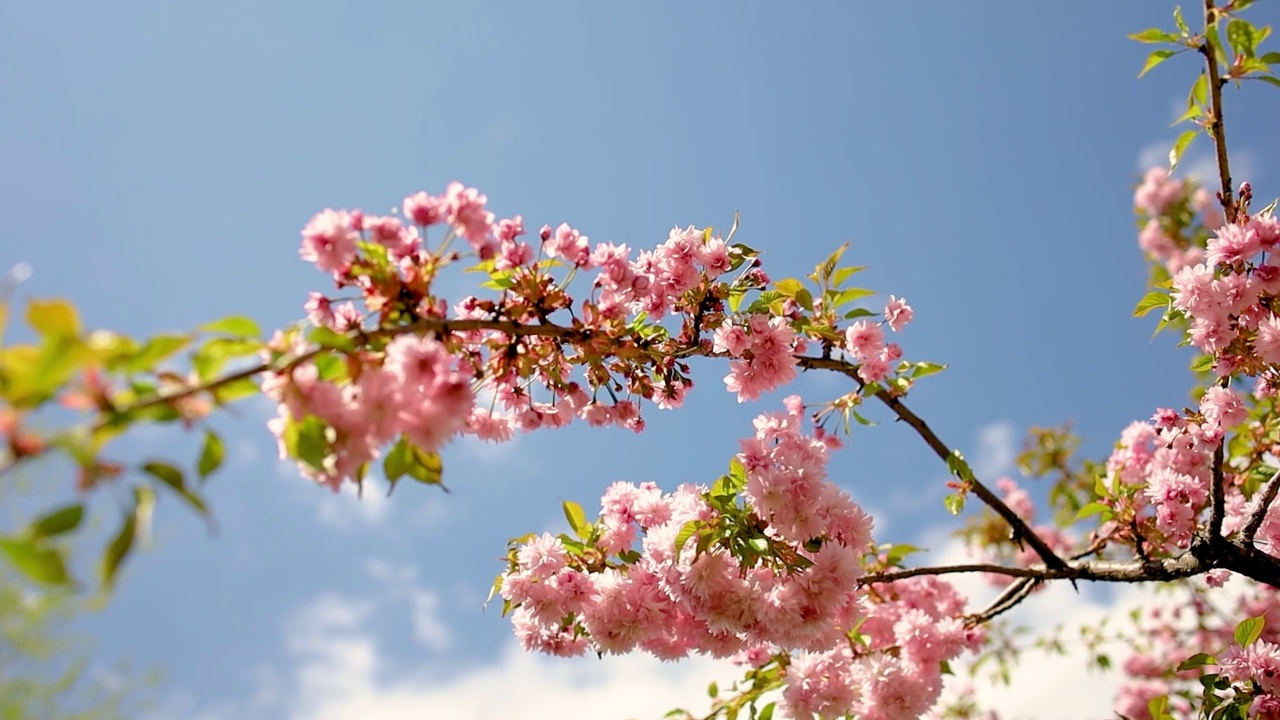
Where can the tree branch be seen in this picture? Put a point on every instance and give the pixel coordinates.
(1265, 496)
(1217, 491)
(1216, 128)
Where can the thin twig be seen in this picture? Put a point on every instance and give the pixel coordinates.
(1265, 496)
(1217, 130)
(1021, 531)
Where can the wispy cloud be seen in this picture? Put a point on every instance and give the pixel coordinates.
(1199, 162)
(996, 450)
(340, 671)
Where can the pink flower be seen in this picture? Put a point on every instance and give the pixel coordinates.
(1223, 407)
(1233, 244)
(329, 240)
(424, 209)
(897, 313)
(569, 245)
(1158, 191)
(864, 340)
(464, 208)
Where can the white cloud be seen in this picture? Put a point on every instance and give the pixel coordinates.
(349, 508)
(997, 448)
(1199, 163)
(340, 673)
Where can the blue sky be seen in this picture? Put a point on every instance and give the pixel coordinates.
(160, 159)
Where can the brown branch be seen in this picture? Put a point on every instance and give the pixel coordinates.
(1265, 496)
(1217, 491)
(1216, 128)
(1013, 595)
(1021, 531)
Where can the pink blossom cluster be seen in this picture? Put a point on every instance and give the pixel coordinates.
(643, 585)
(1258, 667)
(865, 341)
(764, 349)
(414, 389)
(1165, 466)
(1229, 297)
(1166, 632)
(655, 281)
(1166, 206)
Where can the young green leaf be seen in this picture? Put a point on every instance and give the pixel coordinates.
(118, 550)
(576, 517)
(332, 340)
(54, 318)
(1151, 301)
(238, 326)
(1249, 630)
(57, 522)
(35, 560)
(1153, 35)
(1197, 660)
(173, 478)
(211, 454)
(1155, 58)
(1179, 147)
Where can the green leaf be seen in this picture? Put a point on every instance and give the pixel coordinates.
(1180, 147)
(1199, 92)
(1182, 24)
(848, 296)
(954, 503)
(828, 266)
(165, 473)
(396, 464)
(309, 441)
(209, 359)
(211, 454)
(1249, 630)
(332, 340)
(1153, 35)
(118, 550)
(1151, 301)
(234, 325)
(1197, 660)
(57, 522)
(576, 517)
(857, 313)
(233, 390)
(738, 473)
(1093, 508)
(925, 369)
(898, 553)
(54, 318)
(804, 299)
(766, 713)
(1158, 707)
(1241, 35)
(427, 467)
(173, 478)
(686, 531)
(959, 467)
(1271, 58)
(842, 274)
(1202, 363)
(1155, 58)
(713, 690)
(788, 287)
(155, 350)
(1270, 79)
(36, 560)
